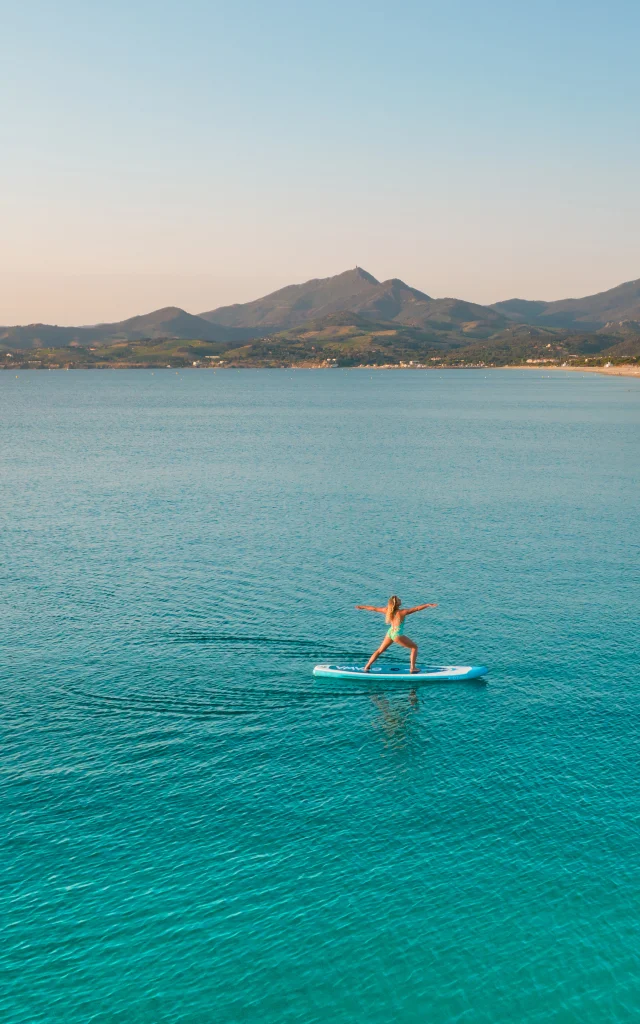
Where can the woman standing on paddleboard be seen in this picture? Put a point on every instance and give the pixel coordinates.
(394, 615)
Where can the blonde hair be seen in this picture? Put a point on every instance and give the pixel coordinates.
(392, 607)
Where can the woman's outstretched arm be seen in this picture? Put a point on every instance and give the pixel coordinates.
(369, 608)
(419, 608)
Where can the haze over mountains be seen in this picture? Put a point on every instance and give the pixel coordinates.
(355, 291)
(590, 313)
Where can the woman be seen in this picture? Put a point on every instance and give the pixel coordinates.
(394, 615)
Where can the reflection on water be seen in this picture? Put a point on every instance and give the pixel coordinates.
(395, 717)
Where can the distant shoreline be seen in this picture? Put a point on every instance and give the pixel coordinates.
(623, 370)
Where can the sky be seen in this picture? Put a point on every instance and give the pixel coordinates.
(200, 153)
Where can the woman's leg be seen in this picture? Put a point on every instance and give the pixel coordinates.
(404, 641)
(376, 654)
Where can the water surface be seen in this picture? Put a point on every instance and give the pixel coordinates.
(197, 830)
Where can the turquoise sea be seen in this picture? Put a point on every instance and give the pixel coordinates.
(195, 830)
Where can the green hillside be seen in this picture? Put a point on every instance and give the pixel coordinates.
(349, 339)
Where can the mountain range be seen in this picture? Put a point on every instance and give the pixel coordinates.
(591, 313)
(354, 291)
(392, 303)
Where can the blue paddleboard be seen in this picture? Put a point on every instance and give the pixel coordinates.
(446, 673)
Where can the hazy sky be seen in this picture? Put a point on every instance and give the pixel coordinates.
(198, 153)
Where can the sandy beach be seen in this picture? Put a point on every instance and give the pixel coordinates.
(628, 370)
(625, 370)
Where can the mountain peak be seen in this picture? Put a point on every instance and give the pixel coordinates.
(397, 286)
(167, 311)
(364, 275)
(296, 303)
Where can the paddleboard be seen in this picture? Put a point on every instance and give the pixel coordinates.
(443, 673)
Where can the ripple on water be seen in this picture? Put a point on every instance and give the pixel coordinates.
(196, 828)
